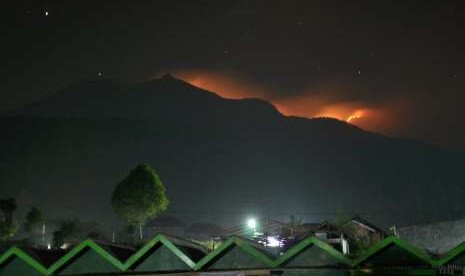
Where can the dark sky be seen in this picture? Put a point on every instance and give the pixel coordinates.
(395, 67)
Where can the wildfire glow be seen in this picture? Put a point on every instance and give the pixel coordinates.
(357, 115)
(223, 85)
(327, 100)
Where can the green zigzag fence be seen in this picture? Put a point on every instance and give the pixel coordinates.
(358, 266)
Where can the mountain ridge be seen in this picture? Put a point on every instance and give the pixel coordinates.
(220, 159)
(163, 87)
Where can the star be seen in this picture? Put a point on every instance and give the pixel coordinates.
(46, 13)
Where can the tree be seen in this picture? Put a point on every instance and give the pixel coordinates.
(33, 218)
(58, 238)
(141, 196)
(67, 232)
(34, 221)
(8, 207)
(341, 220)
(7, 226)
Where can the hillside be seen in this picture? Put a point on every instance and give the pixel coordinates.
(220, 160)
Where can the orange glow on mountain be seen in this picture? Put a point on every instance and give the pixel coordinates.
(223, 85)
(357, 115)
(383, 118)
(322, 105)
(323, 101)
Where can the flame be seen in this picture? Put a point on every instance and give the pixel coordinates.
(324, 100)
(306, 105)
(355, 116)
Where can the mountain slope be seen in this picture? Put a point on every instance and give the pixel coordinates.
(219, 159)
(164, 99)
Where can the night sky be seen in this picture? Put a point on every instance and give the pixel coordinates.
(395, 67)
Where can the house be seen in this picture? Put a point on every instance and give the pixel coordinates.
(354, 231)
(366, 230)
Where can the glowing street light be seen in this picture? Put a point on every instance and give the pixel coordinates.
(252, 223)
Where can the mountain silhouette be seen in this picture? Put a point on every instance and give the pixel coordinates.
(220, 160)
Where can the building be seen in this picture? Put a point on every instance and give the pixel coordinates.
(437, 237)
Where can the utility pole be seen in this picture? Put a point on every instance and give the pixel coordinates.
(44, 232)
(394, 230)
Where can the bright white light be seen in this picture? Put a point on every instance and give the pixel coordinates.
(252, 223)
(49, 246)
(46, 13)
(273, 242)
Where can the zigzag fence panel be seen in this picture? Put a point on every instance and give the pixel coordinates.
(312, 256)
(163, 254)
(453, 262)
(393, 256)
(236, 253)
(17, 262)
(91, 257)
(236, 256)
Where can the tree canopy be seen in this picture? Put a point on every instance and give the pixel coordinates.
(33, 219)
(68, 232)
(7, 226)
(141, 196)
